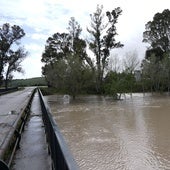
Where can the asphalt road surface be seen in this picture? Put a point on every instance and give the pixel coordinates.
(10, 106)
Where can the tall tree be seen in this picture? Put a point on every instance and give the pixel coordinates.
(10, 54)
(14, 64)
(157, 34)
(78, 46)
(102, 39)
(64, 58)
(166, 71)
(57, 48)
(151, 73)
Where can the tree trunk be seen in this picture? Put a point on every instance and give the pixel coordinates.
(1, 71)
(6, 79)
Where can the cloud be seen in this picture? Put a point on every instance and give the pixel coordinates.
(34, 47)
(32, 67)
(38, 36)
(42, 18)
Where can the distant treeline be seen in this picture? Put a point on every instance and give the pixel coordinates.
(37, 81)
(69, 68)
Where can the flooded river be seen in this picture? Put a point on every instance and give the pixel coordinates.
(102, 134)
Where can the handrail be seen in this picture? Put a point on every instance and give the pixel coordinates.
(60, 154)
(18, 130)
(3, 165)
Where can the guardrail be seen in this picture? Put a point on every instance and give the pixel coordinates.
(60, 154)
(9, 90)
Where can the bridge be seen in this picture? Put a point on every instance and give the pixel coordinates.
(29, 136)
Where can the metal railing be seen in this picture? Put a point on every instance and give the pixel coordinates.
(9, 90)
(3, 165)
(61, 156)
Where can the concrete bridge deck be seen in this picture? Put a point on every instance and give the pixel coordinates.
(11, 105)
(14, 113)
(33, 153)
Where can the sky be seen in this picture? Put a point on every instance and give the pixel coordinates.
(40, 19)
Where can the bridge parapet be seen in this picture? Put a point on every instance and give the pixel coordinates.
(60, 154)
(12, 128)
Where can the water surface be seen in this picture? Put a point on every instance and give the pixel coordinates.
(131, 134)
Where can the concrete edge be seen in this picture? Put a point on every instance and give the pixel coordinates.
(9, 142)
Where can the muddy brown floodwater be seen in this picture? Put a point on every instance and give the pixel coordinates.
(131, 134)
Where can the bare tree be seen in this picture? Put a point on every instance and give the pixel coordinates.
(114, 63)
(131, 62)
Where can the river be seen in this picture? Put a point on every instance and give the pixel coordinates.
(103, 134)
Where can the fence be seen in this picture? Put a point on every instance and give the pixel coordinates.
(61, 156)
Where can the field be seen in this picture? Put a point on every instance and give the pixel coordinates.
(37, 81)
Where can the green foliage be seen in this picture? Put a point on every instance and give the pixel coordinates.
(102, 40)
(69, 69)
(118, 83)
(156, 65)
(65, 61)
(157, 34)
(37, 81)
(10, 54)
(156, 73)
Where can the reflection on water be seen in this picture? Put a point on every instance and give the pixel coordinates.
(103, 134)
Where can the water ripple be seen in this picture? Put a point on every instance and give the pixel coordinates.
(132, 134)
